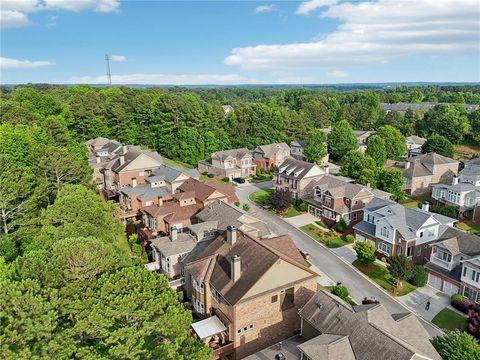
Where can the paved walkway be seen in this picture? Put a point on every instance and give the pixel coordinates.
(301, 220)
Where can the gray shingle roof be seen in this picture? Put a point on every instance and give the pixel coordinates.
(414, 139)
(294, 166)
(183, 244)
(372, 332)
(235, 153)
(421, 165)
(271, 149)
(328, 347)
(145, 192)
(460, 242)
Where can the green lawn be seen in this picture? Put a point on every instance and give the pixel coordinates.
(474, 229)
(260, 178)
(381, 276)
(349, 300)
(448, 319)
(329, 239)
(321, 224)
(291, 212)
(176, 163)
(260, 197)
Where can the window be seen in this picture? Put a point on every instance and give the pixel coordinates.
(478, 276)
(464, 271)
(421, 234)
(328, 200)
(446, 257)
(384, 247)
(354, 216)
(347, 201)
(356, 202)
(473, 274)
(384, 232)
(410, 251)
(274, 298)
(216, 296)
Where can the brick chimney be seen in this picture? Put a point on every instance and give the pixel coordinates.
(235, 268)
(231, 234)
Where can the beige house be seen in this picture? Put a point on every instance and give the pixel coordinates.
(422, 171)
(294, 176)
(270, 156)
(249, 290)
(335, 330)
(235, 163)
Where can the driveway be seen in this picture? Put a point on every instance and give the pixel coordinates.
(301, 220)
(418, 298)
(332, 266)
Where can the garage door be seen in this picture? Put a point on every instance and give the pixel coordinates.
(449, 288)
(435, 282)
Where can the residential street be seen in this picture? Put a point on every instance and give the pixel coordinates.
(323, 258)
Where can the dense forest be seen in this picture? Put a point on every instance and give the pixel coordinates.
(72, 286)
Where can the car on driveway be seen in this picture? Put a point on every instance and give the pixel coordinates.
(239, 180)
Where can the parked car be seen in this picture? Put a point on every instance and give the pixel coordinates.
(239, 180)
(280, 356)
(305, 254)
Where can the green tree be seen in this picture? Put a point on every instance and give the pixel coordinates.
(440, 145)
(8, 248)
(474, 119)
(354, 164)
(315, 146)
(341, 140)
(449, 121)
(395, 144)
(376, 149)
(365, 251)
(341, 291)
(400, 268)
(280, 200)
(419, 276)
(392, 181)
(457, 345)
(79, 212)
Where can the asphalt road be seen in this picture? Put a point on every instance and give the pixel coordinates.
(322, 257)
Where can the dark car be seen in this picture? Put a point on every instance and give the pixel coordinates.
(239, 180)
(280, 356)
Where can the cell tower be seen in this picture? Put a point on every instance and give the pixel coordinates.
(109, 76)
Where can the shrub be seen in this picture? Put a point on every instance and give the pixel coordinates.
(463, 305)
(383, 259)
(205, 173)
(237, 203)
(457, 345)
(246, 207)
(419, 276)
(341, 291)
(226, 179)
(365, 251)
(350, 238)
(210, 175)
(341, 226)
(303, 207)
(457, 297)
(446, 210)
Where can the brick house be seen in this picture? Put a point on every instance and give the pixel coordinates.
(270, 156)
(454, 264)
(463, 192)
(251, 288)
(235, 163)
(335, 330)
(395, 229)
(294, 176)
(422, 171)
(331, 198)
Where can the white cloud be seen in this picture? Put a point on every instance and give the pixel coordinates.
(13, 19)
(52, 21)
(375, 31)
(118, 58)
(166, 79)
(307, 7)
(337, 74)
(13, 13)
(7, 63)
(265, 8)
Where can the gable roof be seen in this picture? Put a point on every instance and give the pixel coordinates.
(271, 149)
(213, 265)
(145, 191)
(422, 165)
(460, 242)
(414, 139)
(131, 155)
(298, 143)
(372, 332)
(340, 188)
(168, 247)
(296, 168)
(234, 153)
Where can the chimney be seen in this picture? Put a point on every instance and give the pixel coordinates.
(173, 233)
(326, 168)
(235, 268)
(231, 234)
(134, 181)
(369, 185)
(124, 149)
(407, 164)
(98, 159)
(455, 180)
(425, 206)
(122, 160)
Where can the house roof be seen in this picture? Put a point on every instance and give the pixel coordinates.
(257, 256)
(166, 173)
(372, 332)
(172, 212)
(203, 227)
(460, 242)
(423, 106)
(417, 140)
(460, 187)
(168, 247)
(208, 327)
(227, 214)
(340, 188)
(99, 141)
(298, 143)
(422, 165)
(145, 191)
(271, 149)
(328, 347)
(210, 189)
(297, 168)
(235, 153)
(130, 155)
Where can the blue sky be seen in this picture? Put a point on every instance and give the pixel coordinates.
(240, 42)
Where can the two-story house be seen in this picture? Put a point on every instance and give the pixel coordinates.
(96, 144)
(270, 156)
(332, 198)
(454, 264)
(395, 229)
(414, 145)
(294, 176)
(250, 289)
(100, 152)
(335, 330)
(422, 171)
(297, 151)
(235, 163)
(463, 192)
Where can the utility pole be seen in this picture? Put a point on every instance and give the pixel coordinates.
(109, 76)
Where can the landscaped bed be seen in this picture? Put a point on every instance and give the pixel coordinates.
(291, 212)
(382, 277)
(448, 319)
(329, 239)
(260, 197)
